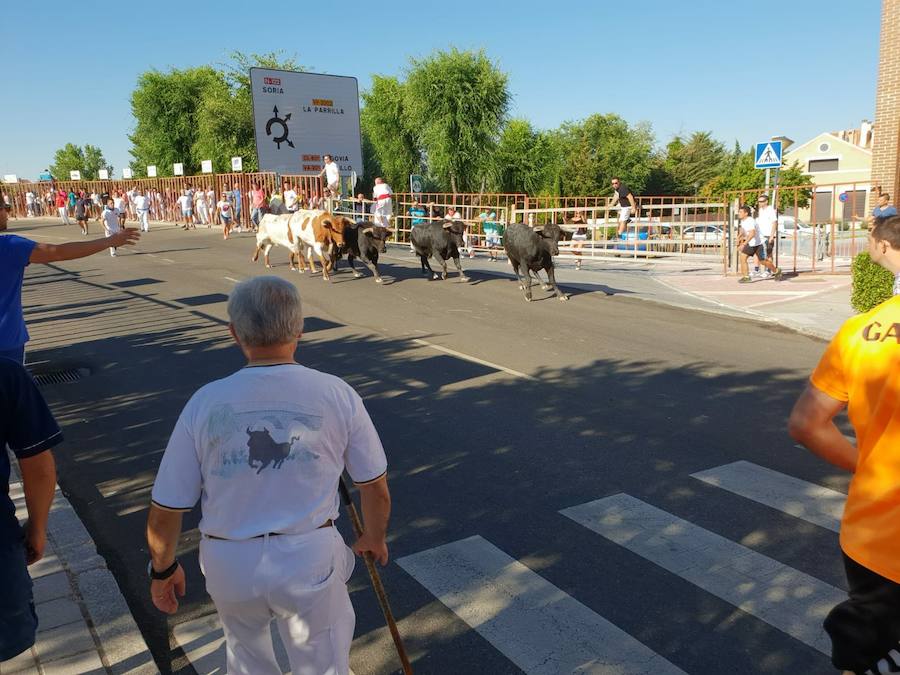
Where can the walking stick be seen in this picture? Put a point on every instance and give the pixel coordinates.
(376, 579)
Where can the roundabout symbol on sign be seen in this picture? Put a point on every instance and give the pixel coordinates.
(282, 122)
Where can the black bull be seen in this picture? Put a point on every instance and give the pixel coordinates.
(264, 450)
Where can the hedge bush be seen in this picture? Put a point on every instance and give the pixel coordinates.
(872, 284)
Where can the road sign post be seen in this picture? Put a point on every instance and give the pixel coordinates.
(768, 156)
(416, 184)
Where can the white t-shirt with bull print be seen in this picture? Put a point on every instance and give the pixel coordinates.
(264, 449)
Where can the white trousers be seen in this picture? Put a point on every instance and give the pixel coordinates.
(143, 216)
(64, 214)
(382, 215)
(203, 214)
(298, 580)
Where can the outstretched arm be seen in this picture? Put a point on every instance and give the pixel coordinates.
(48, 253)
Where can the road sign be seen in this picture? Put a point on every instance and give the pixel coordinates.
(10, 178)
(416, 184)
(75, 175)
(178, 169)
(298, 118)
(844, 196)
(768, 155)
(127, 173)
(151, 171)
(237, 163)
(103, 174)
(206, 166)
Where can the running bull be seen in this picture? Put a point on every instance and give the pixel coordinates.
(532, 249)
(440, 240)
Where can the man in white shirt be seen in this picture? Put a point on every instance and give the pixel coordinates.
(29, 204)
(290, 198)
(750, 244)
(142, 208)
(263, 450)
(186, 204)
(767, 222)
(332, 178)
(382, 208)
(110, 223)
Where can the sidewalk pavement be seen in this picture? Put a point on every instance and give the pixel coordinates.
(84, 624)
(811, 304)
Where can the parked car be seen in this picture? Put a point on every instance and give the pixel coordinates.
(710, 233)
(787, 225)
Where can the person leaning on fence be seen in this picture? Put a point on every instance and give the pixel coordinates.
(750, 244)
(263, 450)
(624, 198)
(859, 372)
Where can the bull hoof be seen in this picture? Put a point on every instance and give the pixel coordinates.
(435, 277)
(563, 298)
(444, 277)
(464, 278)
(268, 266)
(545, 287)
(527, 298)
(379, 280)
(357, 275)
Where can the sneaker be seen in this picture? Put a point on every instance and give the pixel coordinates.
(745, 280)
(577, 264)
(112, 253)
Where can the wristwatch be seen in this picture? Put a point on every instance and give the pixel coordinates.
(165, 574)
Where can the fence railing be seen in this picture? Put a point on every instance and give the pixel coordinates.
(821, 228)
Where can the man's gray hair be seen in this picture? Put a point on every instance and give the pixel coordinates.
(265, 311)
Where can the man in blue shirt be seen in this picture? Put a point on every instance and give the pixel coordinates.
(28, 428)
(884, 209)
(16, 253)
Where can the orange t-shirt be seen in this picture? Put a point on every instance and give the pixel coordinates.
(862, 366)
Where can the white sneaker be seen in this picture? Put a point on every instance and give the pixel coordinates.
(112, 253)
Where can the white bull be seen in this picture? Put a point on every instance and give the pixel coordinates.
(305, 233)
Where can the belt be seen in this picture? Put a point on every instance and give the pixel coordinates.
(327, 523)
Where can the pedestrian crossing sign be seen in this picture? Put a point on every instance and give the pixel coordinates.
(768, 155)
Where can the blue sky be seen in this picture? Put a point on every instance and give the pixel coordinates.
(743, 70)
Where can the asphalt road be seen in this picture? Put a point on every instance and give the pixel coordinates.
(496, 415)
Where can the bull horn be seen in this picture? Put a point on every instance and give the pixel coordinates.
(447, 225)
(539, 228)
(368, 230)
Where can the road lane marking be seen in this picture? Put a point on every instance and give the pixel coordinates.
(537, 626)
(237, 281)
(810, 502)
(167, 260)
(779, 595)
(473, 359)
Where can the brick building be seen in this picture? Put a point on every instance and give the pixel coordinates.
(886, 146)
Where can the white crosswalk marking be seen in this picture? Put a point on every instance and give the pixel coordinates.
(783, 597)
(813, 503)
(541, 629)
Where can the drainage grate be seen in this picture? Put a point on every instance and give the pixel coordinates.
(60, 376)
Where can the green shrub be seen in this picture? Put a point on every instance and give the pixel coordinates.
(872, 284)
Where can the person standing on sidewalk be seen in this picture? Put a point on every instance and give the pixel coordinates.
(263, 450)
(884, 209)
(83, 211)
(257, 205)
(16, 253)
(859, 372)
(750, 244)
(28, 429)
(623, 196)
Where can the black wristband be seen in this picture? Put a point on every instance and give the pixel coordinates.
(165, 574)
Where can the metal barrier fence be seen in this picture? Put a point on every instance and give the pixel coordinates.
(664, 227)
(821, 228)
(162, 191)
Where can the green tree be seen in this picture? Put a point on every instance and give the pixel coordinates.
(600, 147)
(165, 108)
(457, 102)
(522, 160)
(88, 160)
(391, 145)
(693, 162)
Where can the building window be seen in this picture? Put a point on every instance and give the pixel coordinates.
(818, 165)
